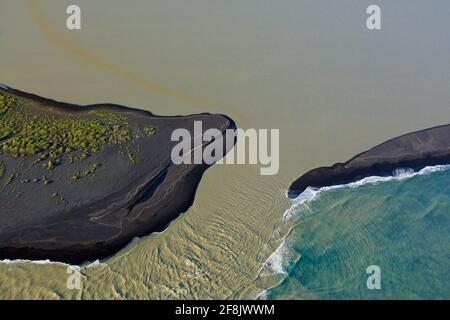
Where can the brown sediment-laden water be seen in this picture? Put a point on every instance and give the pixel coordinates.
(310, 69)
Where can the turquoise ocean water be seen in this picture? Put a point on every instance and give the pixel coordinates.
(400, 224)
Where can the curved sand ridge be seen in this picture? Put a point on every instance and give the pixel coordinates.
(96, 215)
(416, 150)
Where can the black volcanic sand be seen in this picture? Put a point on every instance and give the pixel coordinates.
(96, 216)
(415, 150)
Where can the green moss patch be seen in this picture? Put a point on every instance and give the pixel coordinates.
(24, 133)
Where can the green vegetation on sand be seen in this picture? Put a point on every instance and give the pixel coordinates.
(24, 133)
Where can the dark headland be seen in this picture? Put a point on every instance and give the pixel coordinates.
(78, 183)
(416, 150)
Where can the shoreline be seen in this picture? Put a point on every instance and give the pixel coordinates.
(282, 259)
(416, 150)
(101, 229)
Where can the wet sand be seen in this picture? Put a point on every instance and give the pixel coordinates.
(309, 68)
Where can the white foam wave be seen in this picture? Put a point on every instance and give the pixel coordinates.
(279, 261)
(49, 262)
(399, 174)
(40, 262)
(96, 263)
(262, 295)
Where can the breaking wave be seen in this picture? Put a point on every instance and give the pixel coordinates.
(311, 194)
(284, 256)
